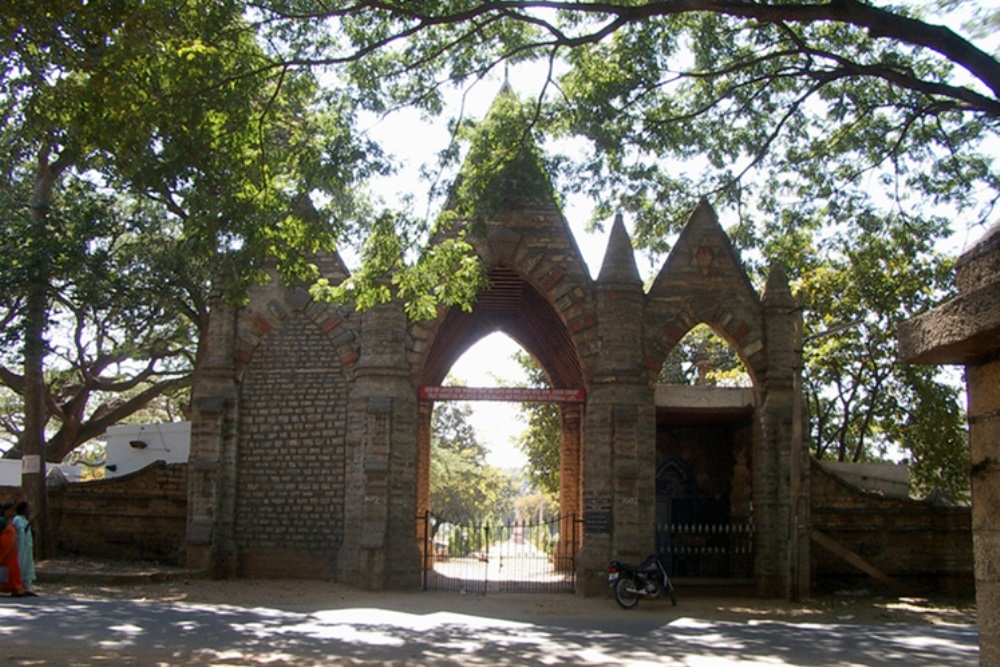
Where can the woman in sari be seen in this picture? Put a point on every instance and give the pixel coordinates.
(8, 555)
(25, 544)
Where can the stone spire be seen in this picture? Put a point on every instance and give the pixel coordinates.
(503, 168)
(777, 293)
(619, 265)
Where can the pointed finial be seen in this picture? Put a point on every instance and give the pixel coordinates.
(619, 259)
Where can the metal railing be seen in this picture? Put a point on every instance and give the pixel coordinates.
(521, 557)
(724, 551)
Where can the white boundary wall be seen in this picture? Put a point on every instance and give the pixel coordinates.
(132, 447)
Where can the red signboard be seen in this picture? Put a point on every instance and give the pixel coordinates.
(509, 394)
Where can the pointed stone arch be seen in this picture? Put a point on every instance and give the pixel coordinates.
(513, 306)
(539, 294)
(703, 282)
(270, 395)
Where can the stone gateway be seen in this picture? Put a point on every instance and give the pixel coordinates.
(310, 440)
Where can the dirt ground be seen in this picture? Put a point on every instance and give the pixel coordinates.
(136, 581)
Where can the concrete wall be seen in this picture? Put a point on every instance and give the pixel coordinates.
(928, 548)
(132, 447)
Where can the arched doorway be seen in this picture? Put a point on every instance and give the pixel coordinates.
(514, 306)
(705, 406)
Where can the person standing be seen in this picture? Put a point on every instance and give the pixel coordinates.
(8, 555)
(25, 544)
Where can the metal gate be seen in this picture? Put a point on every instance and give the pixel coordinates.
(724, 551)
(522, 557)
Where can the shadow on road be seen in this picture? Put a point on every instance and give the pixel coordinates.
(63, 631)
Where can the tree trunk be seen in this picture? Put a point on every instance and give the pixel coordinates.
(33, 440)
(36, 320)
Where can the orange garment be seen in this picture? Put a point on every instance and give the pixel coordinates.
(8, 557)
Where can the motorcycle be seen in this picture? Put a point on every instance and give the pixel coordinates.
(649, 580)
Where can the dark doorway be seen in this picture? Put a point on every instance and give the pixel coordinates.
(704, 526)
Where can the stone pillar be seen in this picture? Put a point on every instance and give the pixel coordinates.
(380, 548)
(211, 462)
(779, 465)
(570, 508)
(966, 331)
(425, 417)
(619, 454)
(983, 384)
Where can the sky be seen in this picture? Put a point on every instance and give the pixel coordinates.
(497, 424)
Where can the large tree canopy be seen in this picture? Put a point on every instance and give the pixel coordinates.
(148, 150)
(844, 139)
(771, 104)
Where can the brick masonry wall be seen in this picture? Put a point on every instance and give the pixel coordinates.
(927, 547)
(141, 516)
(290, 482)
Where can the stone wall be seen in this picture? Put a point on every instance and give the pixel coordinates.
(926, 547)
(141, 516)
(290, 487)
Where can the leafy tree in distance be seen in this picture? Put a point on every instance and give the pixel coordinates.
(864, 404)
(540, 441)
(537, 507)
(465, 489)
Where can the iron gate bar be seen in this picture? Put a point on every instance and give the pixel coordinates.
(707, 550)
(513, 557)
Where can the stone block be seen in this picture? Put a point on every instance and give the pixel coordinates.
(958, 332)
(988, 621)
(986, 547)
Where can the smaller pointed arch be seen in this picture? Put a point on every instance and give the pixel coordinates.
(703, 281)
(703, 253)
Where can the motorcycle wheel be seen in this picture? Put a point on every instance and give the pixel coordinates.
(623, 597)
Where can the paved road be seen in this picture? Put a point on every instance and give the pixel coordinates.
(64, 631)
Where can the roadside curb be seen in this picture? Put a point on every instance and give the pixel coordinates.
(55, 573)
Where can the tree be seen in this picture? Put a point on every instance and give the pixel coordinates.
(149, 148)
(113, 332)
(933, 435)
(798, 87)
(541, 440)
(809, 122)
(536, 507)
(701, 357)
(863, 403)
(465, 489)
